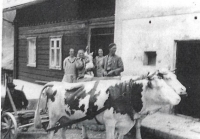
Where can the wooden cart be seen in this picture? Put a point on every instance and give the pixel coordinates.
(13, 122)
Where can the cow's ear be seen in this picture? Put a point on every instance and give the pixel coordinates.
(149, 84)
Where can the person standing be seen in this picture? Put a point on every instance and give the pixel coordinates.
(112, 64)
(81, 64)
(99, 63)
(69, 66)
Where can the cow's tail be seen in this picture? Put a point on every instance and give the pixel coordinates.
(37, 118)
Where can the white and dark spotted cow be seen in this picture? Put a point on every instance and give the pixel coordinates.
(167, 75)
(125, 102)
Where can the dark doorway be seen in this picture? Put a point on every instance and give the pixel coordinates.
(101, 38)
(188, 73)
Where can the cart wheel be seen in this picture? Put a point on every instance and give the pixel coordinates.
(8, 126)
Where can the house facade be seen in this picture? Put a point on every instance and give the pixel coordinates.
(149, 35)
(46, 31)
(152, 34)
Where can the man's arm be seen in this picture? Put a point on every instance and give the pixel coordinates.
(119, 69)
(64, 64)
(79, 64)
(103, 67)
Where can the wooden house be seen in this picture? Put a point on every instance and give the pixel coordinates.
(45, 32)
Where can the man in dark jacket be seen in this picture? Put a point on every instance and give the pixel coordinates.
(112, 64)
(81, 62)
(18, 97)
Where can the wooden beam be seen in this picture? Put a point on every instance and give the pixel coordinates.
(22, 5)
(10, 97)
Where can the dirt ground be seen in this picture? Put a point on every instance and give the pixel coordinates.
(76, 134)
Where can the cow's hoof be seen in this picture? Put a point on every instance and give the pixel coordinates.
(85, 138)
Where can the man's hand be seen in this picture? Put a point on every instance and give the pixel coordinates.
(89, 69)
(87, 60)
(105, 73)
(111, 72)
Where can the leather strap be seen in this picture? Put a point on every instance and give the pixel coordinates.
(97, 121)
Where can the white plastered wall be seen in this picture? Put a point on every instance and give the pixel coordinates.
(170, 21)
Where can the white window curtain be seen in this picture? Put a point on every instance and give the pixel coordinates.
(31, 51)
(55, 58)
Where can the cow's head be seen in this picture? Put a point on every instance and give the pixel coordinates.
(171, 79)
(157, 91)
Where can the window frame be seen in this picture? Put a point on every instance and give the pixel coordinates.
(55, 38)
(28, 54)
(147, 58)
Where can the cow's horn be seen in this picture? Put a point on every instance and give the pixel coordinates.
(173, 70)
(144, 76)
(151, 75)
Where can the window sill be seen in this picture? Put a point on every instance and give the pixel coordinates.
(55, 68)
(31, 65)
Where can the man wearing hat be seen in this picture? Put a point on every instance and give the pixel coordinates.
(112, 64)
(18, 97)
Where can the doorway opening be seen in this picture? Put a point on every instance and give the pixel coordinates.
(188, 73)
(101, 38)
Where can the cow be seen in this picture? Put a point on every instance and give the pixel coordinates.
(167, 75)
(124, 102)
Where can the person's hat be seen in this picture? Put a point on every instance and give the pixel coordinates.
(11, 85)
(111, 45)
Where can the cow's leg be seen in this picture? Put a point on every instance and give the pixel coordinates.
(120, 136)
(51, 133)
(52, 123)
(116, 134)
(63, 133)
(138, 131)
(110, 129)
(84, 132)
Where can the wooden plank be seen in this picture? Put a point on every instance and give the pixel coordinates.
(75, 39)
(94, 20)
(38, 77)
(48, 34)
(53, 29)
(51, 25)
(23, 42)
(43, 57)
(41, 71)
(43, 52)
(38, 63)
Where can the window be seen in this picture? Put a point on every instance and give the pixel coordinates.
(55, 56)
(150, 58)
(31, 51)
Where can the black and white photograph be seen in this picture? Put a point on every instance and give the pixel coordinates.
(100, 69)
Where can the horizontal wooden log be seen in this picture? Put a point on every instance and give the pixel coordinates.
(92, 21)
(42, 70)
(48, 34)
(38, 77)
